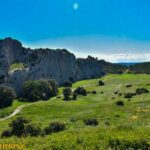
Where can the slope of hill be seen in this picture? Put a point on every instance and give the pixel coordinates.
(127, 125)
(140, 68)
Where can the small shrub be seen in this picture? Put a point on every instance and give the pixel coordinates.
(128, 95)
(107, 123)
(6, 133)
(58, 97)
(74, 96)
(7, 95)
(121, 144)
(91, 122)
(73, 120)
(54, 86)
(129, 85)
(32, 129)
(140, 91)
(116, 92)
(18, 125)
(67, 84)
(81, 91)
(117, 116)
(94, 92)
(120, 103)
(67, 92)
(54, 127)
(101, 83)
(120, 94)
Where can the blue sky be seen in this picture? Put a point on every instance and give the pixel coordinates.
(115, 30)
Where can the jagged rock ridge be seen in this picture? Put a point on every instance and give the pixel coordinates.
(58, 64)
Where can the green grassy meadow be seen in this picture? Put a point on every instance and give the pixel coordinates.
(7, 111)
(17, 66)
(130, 124)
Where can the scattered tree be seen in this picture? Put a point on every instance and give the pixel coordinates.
(67, 92)
(101, 83)
(74, 96)
(7, 95)
(54, 86)
(39, 89)
(81, 91)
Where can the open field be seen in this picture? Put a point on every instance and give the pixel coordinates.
(129, 123)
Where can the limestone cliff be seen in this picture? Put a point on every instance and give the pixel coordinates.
(10, 51)
(60, 65)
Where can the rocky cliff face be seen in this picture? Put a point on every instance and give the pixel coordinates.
(60, 65)
(87, 68)
(55, 64)
(10, 51)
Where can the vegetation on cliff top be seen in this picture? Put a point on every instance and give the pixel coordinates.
(16, 66)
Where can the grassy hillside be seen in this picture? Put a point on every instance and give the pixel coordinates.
(15, 66)
(128, 124)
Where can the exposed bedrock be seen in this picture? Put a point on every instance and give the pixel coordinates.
(58, 64)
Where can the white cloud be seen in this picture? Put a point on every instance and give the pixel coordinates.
(122, 57)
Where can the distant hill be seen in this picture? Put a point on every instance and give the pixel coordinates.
(127, 63)
(136, 68)
(108, 67)
(140, 68)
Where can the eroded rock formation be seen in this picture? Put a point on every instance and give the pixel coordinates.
(60, 65)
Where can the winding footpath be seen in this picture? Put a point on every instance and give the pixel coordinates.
(14, 113)
(18, 109)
